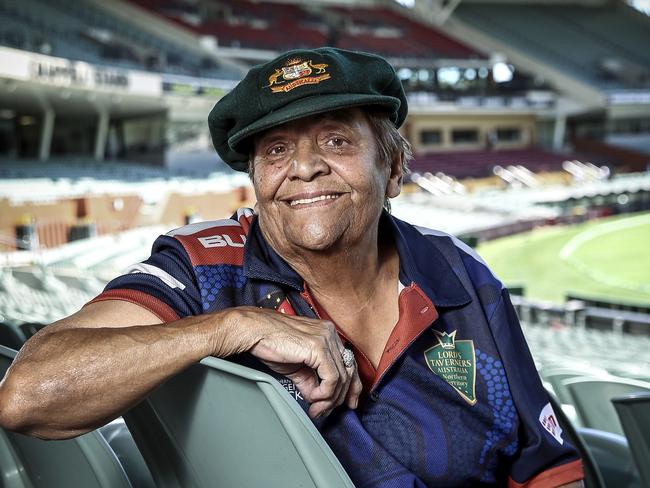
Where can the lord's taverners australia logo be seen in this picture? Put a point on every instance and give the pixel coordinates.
(297, 72)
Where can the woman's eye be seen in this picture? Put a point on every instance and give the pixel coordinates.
(276, 150)
(336, 141)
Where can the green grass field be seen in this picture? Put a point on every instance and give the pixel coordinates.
(609, 258)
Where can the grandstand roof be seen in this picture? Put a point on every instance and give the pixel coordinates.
(602, 44)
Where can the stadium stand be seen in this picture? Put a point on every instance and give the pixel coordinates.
(464, 164)
(602, 45)
(279, 26)
(88, 33)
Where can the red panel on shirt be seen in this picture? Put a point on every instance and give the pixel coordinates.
(157, 307)
(557, 476)
(215, 245)
(416, 313)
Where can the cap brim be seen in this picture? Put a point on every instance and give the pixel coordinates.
(310, 106)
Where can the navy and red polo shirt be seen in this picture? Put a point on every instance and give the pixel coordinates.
(455, 399)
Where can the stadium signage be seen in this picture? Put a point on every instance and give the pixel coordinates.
(64, 72)
(455, 362)
(80, 74)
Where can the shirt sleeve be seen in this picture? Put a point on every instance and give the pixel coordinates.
(165, 284)
(544, 457)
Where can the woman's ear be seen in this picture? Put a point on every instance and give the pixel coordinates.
(396, 176)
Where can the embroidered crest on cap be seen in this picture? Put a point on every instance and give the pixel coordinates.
(295, 73)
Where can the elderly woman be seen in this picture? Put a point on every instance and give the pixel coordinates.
(397, 341)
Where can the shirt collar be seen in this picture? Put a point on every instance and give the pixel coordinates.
(420, 262)
(424, 264)
(263, 263)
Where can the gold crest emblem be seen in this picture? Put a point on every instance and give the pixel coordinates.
(297, 72)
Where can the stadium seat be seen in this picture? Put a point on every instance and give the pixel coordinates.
(592, 399)
(221, 424)
(613, 457)
(119, 438)
(85, 462)
(11, 336)
(634, 412)
(593, 477)
(555, 377)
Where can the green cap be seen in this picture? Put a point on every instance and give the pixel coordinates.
(299, 83)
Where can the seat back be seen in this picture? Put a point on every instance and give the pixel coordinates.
(86, 461)
(557, 375)
(634, 412)
(593, 477)
(222, 424)
(11, 336)
(592, 399)
(613, 458)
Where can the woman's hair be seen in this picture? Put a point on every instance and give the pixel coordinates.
(390, 143)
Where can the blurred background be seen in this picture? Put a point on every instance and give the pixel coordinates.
(529, 119)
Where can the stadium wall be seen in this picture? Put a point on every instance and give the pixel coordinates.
(486, 125)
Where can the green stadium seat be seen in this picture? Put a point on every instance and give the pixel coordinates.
(613, 458)
(121, 441)
(11, 336)
(222, 424)
(555, 377)
(84, 462)
(593, 477)
(592, 397)
(634, 412)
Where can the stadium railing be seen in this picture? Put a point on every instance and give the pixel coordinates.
(634, 413)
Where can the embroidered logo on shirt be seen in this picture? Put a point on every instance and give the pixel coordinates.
(295, 73)
(549, 421)
(455, 362)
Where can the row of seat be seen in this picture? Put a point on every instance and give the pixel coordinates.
(53, 27)
(202, 428)
(216, 424)
(277, 26)
(577, 366)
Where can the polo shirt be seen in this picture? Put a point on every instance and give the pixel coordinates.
(455, 399)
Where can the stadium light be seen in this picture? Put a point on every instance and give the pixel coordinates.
(449, 76)
(502, 72)
(404, 73)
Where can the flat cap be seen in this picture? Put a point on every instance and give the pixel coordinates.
(297, 84)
